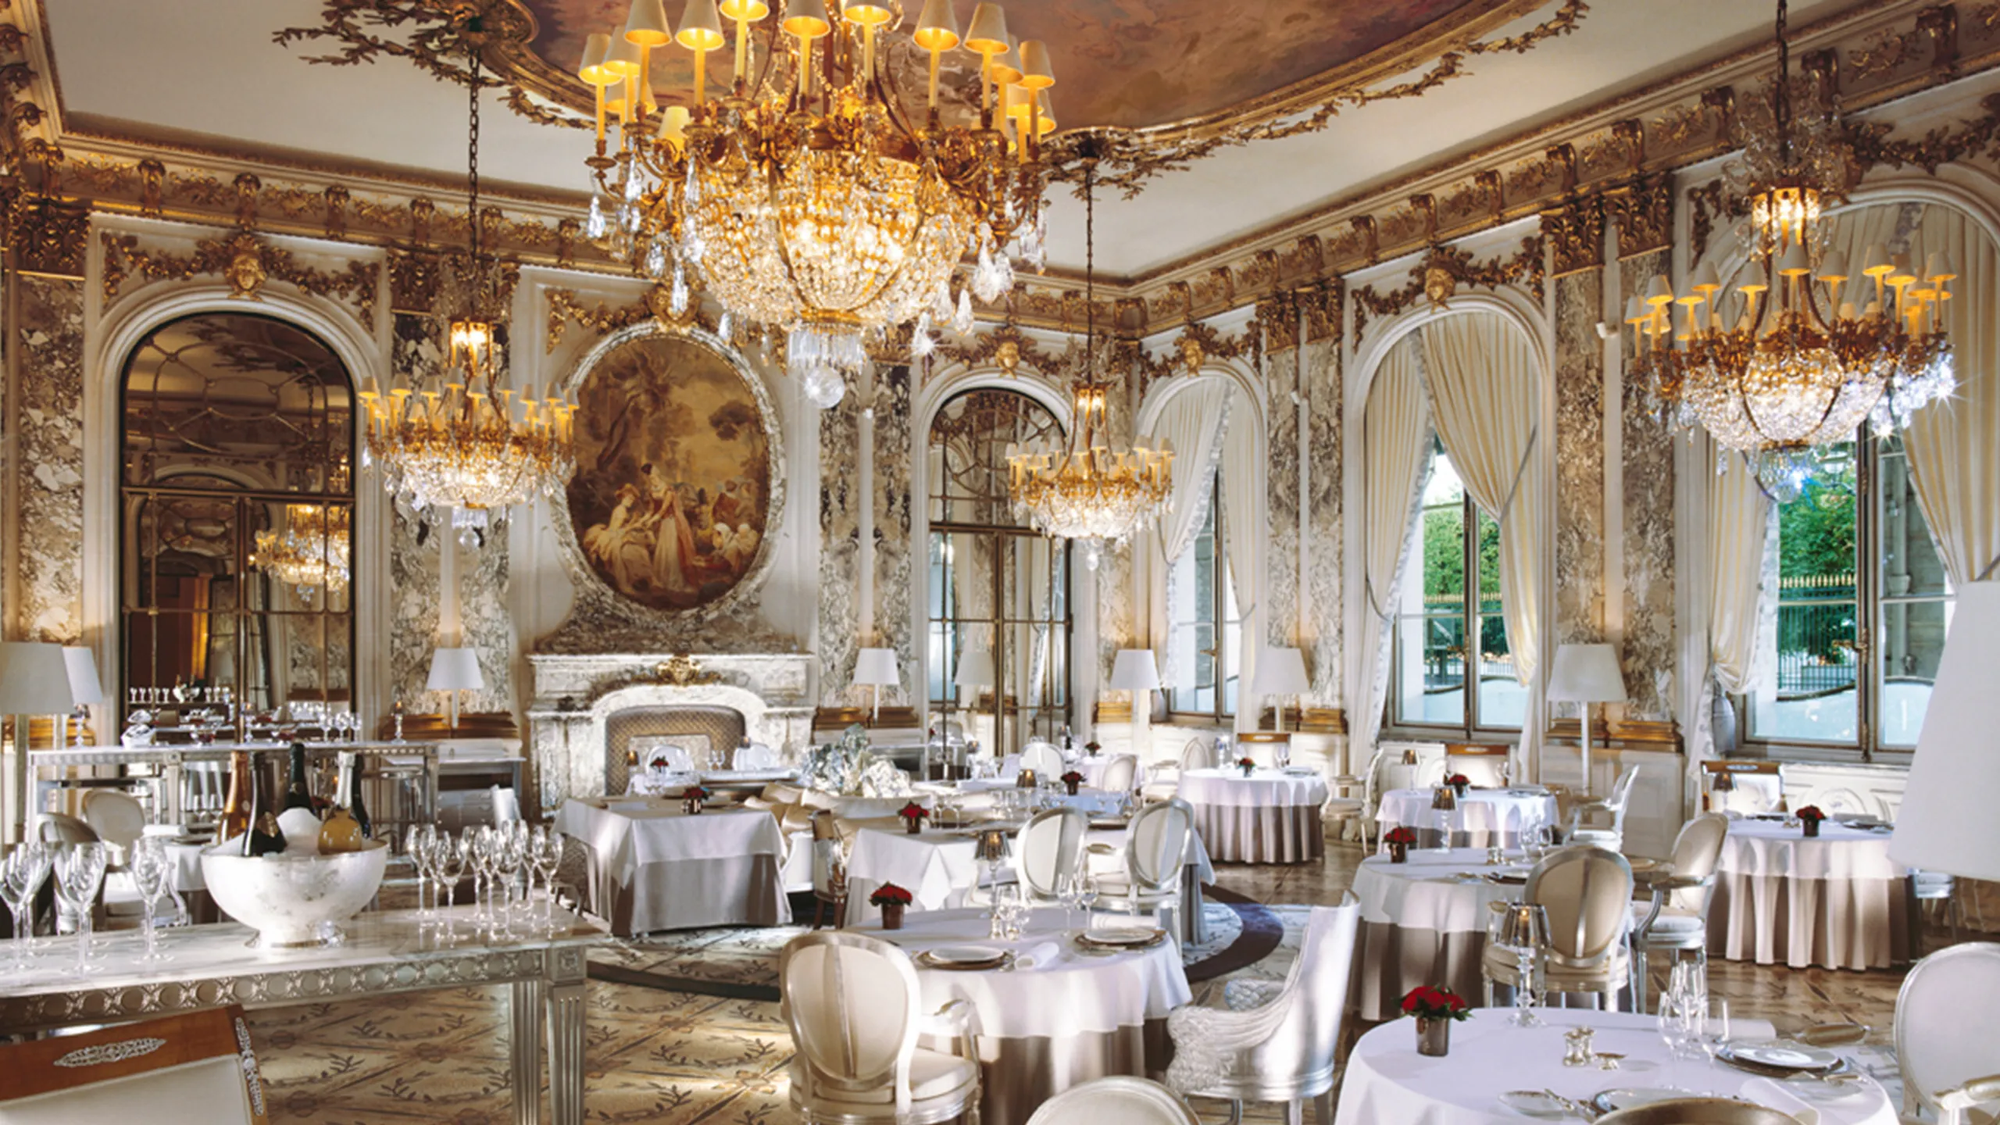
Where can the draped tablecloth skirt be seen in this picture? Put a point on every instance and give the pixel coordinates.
(650, 867)
(1268, 817)
(1837, 901)
(1484, 818)
(1422, 923)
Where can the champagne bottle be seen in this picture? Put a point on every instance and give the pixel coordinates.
(236, 809)
(355, 803)
(298, 794)
(264, 836)
(341, 831)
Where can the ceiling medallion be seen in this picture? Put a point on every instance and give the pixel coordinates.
(1809, 348)
(810, 198)
(463, 445)
(310, 552)
(1089, 491)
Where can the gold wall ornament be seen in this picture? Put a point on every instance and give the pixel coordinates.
(1278, 318)
(245, 261)
(1644, 212)
(1322, 304)
(986, 347)
(48, 236)
(1439, 287)
(1523, 268)
(1575, 234)
(683, 670)
(1008, 357)
(565, 309)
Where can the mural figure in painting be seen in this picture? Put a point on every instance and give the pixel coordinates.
(672, 487)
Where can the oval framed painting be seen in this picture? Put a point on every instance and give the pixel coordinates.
(677, 480)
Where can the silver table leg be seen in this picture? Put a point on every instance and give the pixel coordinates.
(525, 1049)
(565, 1007)
(1193, 925)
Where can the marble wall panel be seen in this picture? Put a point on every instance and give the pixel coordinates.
(483, 615)
(49, 552)
(414, 591)
(1321, 627)
(840, 557)
(1648, 582)
(1579, 461)
(1118, 608)
(1281, 568)
(893, 549)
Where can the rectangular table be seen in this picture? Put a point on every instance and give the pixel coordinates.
(653, 867)
(390, 951)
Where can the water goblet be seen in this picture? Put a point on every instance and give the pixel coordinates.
(452, 859)
(41, 861)
(79, 875)
(510, 858)
(477, 844)
(1714, 1030)
(545, 850)
(418, 842)
(152, 873)
(21, 875)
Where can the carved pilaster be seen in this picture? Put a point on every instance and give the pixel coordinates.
(1644, 212)
(1576, 235)
(49, 237)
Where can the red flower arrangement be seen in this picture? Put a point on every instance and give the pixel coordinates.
(1072, 778)
(694, 793)
(1429, 1003)
(1247, 763)
(1458, 779)
(1810, 813)
(889, 894)
(913, 811)
(1399, 835)
(658, 763)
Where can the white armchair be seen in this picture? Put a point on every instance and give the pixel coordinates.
(1116, 1100)
(179, 1070)
(1155, 851)
(1050, 846)
(1676, 920)
(853, 1005)
(1602, 823)
(1282, 1050)
(1044, 759)
(1947, 1022)
(1588, 894)
(1121, 774)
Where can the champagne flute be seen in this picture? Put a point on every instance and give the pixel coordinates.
(417, 846)
(21, 874)
(152, 871)
(79, 875)
(545, 850)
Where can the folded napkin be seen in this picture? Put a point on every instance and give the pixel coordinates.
(1772, 1093)
(1037, 955)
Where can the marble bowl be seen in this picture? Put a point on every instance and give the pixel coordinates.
(295, 901)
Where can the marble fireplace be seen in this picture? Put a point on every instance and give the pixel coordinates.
(576, 695)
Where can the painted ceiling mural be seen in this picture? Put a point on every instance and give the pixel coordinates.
(1128, 63)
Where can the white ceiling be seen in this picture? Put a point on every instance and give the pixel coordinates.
(209, 69)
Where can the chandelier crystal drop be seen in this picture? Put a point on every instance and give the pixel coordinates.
(310, 552)
(1089, 490)
(462, 441)
(1806, 348)
(809, 199)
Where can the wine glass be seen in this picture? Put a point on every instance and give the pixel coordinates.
(1714, 1030)
(545, 850)
(152, 873)
(79, 875)
(21, 875)
(449, 860)
(510, 852)
(417, 844)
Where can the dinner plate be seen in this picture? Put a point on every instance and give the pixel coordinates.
(1111, 822)
(1779, 1054)
(1535, 1103)
(1122, 937)
(959, 956)
(1506, 878)
(1299, 771)
(1625, 1097)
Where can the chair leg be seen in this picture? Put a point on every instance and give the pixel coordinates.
(1639, 980)
(1295, 1112)
(1236, 1112)
(819, 909)
(1489, 992)
(1323, 1107)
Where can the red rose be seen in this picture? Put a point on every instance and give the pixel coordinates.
(1810, 812)
(913, 811)
(889, 894)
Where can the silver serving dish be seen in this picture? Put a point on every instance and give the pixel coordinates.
(1698, 1111)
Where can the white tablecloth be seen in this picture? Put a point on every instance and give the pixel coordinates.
(653, 867)
(1836, 900)
(1387, 1080)
(1058, 1017)
(1421, 926)
(1484, 818)
(1267, 817)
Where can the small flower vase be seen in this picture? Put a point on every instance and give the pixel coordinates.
(1433, 1037)
(1071, 786)
(1458, 789)
(1810, 827)
(691, 805)
(914, 825)
(1248, 770)
(1399, 853)
(892, 915)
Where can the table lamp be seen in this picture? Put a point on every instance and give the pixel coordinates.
(975, 671)
(1946, 823)
(1281, 672)
(876, 667)
(83, 684)
(34, 680)
(454, 670)
(1586, 674)
(1135, 670)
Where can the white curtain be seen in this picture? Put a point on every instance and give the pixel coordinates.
(1954, 446)
(1193, 421)
(1243, 525)
(1485, 391)
(1395, 436)
(1739, 517)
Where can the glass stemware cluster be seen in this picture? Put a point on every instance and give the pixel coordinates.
(22, 873)
(1690, 1019)
(79, 875)
(503, 861)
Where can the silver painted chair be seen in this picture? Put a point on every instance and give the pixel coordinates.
(1050, 846)
(1676, 920)
(1588, 894)
(854, 1008)
(1121, 774)
(1284, 1048)
(1603, 822)
(1044, 759)
(1947, 1025)
(1156, 847)
(1115, 1100)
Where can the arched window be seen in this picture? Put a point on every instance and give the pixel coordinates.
(997, 587)
(237, 526)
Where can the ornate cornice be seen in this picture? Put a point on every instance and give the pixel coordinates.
(1438, 274)
(604, 318)
(246, 261)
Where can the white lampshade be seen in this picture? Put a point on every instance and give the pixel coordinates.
(34, 679)
(1586, 674)
(1134, 669)
(1946, 821)
(455, 669)
(83, 682)
(1281, 671)
(975, 668)
(876, 667)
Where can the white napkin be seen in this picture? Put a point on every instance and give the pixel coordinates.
(1772, 1093)
(1037, 955)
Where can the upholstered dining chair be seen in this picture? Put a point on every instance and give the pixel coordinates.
(1156, 845)
(1050, 846)
(1588, 894)
(1484, 764)
(1044, 759)
(854, 1008)
(1947, 1022)
(1121, 774)
(829, 869)
(1746, 788)
(190, 1069)
(1280, 1046)
(1115, 1100)
(119, 820)
(1676, 920)
(755, 756)
(1603, 822)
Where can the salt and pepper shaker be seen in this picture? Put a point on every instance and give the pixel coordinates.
(1576, 1046)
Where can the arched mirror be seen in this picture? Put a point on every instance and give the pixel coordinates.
(237, 528)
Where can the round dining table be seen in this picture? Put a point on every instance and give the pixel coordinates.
(1423, 922)
(1387, 1080)
(1484, 818)
(1266, 816)
(1835, 900)
(1055, 1015)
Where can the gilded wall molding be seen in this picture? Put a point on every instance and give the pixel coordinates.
(1193, 347)
(604, 318)
(1575, 234)
(246, 261)
(46, 236)
(1644, 213)
(1438, 274)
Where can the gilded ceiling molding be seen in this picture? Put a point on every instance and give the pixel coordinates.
(1644, 212)
(246, 261)
(1321, 305)
(1575, 233)
(45, 236)
(1006, 347)
(1438, 274)
(1194, 346)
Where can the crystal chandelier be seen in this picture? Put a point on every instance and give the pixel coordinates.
(1806, 350)
(310, 553)
(809, 198)
(1089, 491)
(464, 442)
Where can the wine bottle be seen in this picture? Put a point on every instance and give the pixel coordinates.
(264, 836)
(298, 794)
(355, 803)
(341, 831)
(236, 808)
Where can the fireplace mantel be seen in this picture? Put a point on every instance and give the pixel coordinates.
(575, 694)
